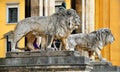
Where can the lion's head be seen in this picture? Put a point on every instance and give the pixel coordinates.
(67, 19)
(73, 19)
(104, 35)
(74, 16)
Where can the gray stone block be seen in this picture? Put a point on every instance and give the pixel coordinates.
(104, 67)
(61, 60)
(39, 54)
(46, 61)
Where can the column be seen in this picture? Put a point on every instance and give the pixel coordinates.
(89, 26)
(51, 7)
(40, 7)
(83, 16)
(46, 7)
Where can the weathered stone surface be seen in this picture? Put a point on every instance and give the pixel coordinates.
(104, 67)
(31, 61)
(98, 63)
(55, 61)
(41, 54)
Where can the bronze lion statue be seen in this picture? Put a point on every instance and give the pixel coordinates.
(94, 41)
(59, 26)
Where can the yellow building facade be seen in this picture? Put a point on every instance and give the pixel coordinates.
(106, 14)
(6, 26)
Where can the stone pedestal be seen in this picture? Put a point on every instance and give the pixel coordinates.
(45, 61)
(104, 67)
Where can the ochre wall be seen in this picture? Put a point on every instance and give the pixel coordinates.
(4, 27)
(107, 15)
(68, 4)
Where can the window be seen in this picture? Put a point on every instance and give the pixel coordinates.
(12, 13)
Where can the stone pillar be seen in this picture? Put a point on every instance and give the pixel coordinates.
(83, 16)
(45, 7)
(40, 7)
(51, 7)
(90, 9)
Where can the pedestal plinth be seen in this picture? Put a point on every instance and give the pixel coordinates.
(45, 61)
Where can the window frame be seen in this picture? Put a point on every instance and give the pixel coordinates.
(7, 15)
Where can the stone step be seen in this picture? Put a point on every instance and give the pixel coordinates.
(47, 61)
(104, 67)
(44, 61)
(39, 53)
